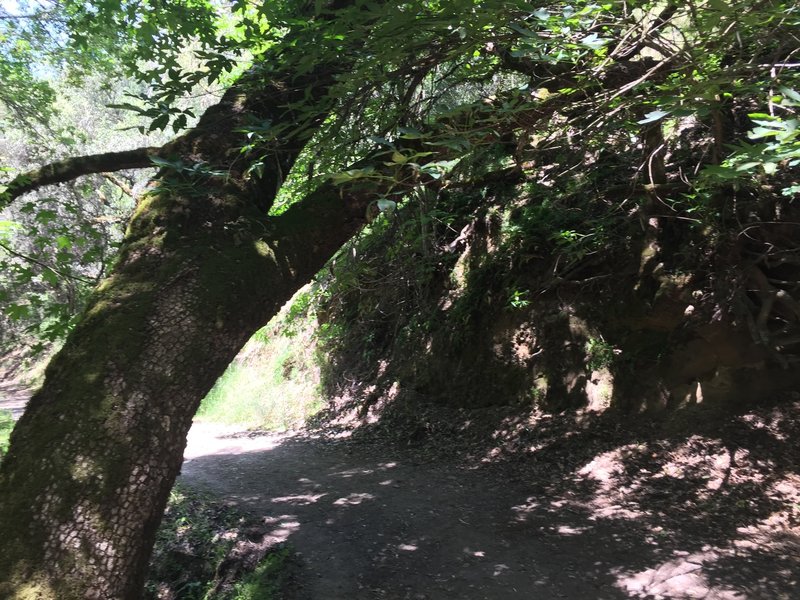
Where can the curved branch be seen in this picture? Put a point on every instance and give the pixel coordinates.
(68, 169)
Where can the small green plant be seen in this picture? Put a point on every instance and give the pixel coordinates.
(194, 536)
(6, 425)
(519, 299)
(538, 392)
(599, 354)
(266, 581)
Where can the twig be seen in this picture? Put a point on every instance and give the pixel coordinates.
(35, 261)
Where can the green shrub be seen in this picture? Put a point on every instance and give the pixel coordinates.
(273, 382)
(6, 425)
(265, 582)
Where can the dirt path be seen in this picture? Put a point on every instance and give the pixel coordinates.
(597, 512)
(13, 398)
(373, 523)
(15, 386)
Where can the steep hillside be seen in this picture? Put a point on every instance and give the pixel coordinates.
(611, 364)
(588, 294)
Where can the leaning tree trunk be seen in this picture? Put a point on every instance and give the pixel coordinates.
(93, 458)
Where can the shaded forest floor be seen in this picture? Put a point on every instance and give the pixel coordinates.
(544, 506)
(487, 504)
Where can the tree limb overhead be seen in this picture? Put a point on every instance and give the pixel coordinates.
(70, 168)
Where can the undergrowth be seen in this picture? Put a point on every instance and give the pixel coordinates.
(195, 535)
(195, 544)
(265, 582)
(273, 383)
(6, 425)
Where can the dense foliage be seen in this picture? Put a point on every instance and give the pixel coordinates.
(432, 92)
(467, 74)
(660, 136)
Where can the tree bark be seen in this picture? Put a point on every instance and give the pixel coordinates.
(93, 458)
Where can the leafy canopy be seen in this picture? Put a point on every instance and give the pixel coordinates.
(434, 86)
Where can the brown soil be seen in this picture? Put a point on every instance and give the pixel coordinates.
(570, 506)
(13, 398)
(16, 387)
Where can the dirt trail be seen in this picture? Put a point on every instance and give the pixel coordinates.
(370, 523)
(599, 513)
(13, 398)
(15, 387)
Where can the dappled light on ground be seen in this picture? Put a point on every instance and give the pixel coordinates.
(716, 510)
(679, 578)
(571, 508)
(299, 499)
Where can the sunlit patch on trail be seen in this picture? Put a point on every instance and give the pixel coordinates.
(682, 577)
(407, 547)
(353, 499)
(350, 473)
(299, 499)
(281, 528)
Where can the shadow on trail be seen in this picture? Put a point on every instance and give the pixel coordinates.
(711, 500)
(635, 514)
(387, 527)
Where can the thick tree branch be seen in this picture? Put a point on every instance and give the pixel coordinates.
(71, 168)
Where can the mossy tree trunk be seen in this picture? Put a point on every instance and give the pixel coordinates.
(93, 458)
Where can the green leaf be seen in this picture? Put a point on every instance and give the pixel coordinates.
(167, 164)
(17, 312)
(159, 122)
(409, 133)
(126, 106)
(762, 132)
(594, 42)
(46, 215)
(791, 190)
(50, 277)
(439, 168)
(179, 123)
(793, 95)
(347, 176)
